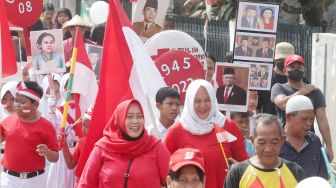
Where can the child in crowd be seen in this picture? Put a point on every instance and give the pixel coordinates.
(71, 158)
(29, 140)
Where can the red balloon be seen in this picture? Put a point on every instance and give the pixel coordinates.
(179, 69)
(23, 13)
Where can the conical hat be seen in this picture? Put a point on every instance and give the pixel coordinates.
(77, 21)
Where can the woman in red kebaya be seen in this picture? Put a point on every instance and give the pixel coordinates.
(199, 126)
(126, 156)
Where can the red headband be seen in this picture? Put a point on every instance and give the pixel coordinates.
(23, 90)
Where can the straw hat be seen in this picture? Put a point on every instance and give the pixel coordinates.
(77, 21)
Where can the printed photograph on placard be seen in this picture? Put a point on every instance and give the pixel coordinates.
(254, 46)
(233, 85)
(260, 75)
(257, 17)
(95, 57)
(148, 17)
(47, 51)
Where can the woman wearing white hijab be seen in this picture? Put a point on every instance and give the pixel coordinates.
(197, 128)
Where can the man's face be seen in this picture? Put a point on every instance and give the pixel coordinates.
(268, 141)
(210, 69)
(243, 124)
(48, 14)
(188, 178)
(244, 43)
(94, 58)
(300, 124)
(263, 81)
(149, 14)
(253, 69)
(169, 109)
(250, 13)
(265, 44)
(228, 79)
(263, 69)
(293, 66)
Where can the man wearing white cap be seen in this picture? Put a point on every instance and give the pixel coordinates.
(301, 145)
(281, 93)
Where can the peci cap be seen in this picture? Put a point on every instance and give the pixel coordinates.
(186, 156)
(298, 103)
(283, 50)
(228, 70)
(152, 4)
(293, 58)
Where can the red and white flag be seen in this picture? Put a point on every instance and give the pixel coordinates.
(127, 72)
(7, 52)
(84, 81)
(224, 136)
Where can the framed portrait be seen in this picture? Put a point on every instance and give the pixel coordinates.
(95, 56)
(261, 17)
(254, 46)
(148, 17)
(260, 75)
(233, 86)
(47, 51)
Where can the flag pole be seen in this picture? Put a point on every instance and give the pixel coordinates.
(72, 70)
(327, 163)
(151, 112)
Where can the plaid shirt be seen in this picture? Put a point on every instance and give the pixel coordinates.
(309, 157)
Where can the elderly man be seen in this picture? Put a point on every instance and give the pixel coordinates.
(266, 168)
(186, 169)
(281, 93)
(303, 146)
(229, 92)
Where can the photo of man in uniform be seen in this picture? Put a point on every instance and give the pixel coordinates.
(147, 28)
(265, 51)
(243, 49)
(229, 92)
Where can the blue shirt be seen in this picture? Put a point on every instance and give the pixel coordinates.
(309, 157)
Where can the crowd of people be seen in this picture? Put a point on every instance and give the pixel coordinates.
(272, 144)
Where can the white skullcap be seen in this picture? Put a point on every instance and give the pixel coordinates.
(299, 103)
(313, 182)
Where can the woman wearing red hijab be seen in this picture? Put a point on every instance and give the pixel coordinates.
(126, 156)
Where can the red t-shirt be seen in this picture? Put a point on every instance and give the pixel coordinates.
(215, 165)
(22, 138)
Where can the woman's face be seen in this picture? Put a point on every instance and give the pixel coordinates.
(48, 44)
(134, 122)
(202, 103)
(62, 18)
(267, 14)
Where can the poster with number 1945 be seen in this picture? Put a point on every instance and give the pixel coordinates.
(179, 69)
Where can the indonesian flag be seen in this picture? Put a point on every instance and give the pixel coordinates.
(7, 52)
(127, 72)
(84, 81)
(224, 136)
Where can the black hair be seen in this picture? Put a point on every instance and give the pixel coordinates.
(242, 114)
(176, 175)
(35, 87)
(98, 34)
(166, 92)
(263, 10)
(48, 6)
(211, 56)
(65, 11)
(41, 37)
(266, 39)
(267, 120)
(254, 66)
(251, 7)
(228, 57)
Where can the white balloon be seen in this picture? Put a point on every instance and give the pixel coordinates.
(99, 12)
(313, 182)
